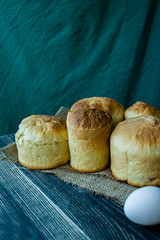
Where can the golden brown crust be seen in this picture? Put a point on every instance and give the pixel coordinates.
(44, 167)
(42, 142)
(134, 184)
(44, 128)
(44, 122)
(111, 106)
(88, 135)
(141, 108)
(88, 118)
(102, 103)
(89, 170)
(135, 151)
(141, 130)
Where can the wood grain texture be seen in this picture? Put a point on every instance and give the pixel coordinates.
(36, 205)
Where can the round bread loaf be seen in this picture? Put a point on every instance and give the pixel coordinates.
(109, 105)
(141, 108)
(42, 142)
(88, 136)
(135, 151)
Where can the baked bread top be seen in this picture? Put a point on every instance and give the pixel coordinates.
(102, 103)
(111, 106)
(89, 118)
(141, 108)
(42, 128)
(137, 133)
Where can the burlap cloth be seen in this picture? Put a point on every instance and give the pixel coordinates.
(101, 183)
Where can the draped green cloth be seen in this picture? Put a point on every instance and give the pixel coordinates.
(53, 53)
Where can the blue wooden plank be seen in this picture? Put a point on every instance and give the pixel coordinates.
(15, 224)
(6, 140)
(36, 205)
(66, 210)
(105, 218)
(42, 213)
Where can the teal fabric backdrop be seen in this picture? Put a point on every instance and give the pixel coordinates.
(55, 52)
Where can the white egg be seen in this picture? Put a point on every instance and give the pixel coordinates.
(143, 206)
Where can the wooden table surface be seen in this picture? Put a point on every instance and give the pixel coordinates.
(36, 205)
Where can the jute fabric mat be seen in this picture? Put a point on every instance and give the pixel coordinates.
(101, 183)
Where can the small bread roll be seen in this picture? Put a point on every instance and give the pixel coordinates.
(135, 151)
(88, 135)
(42, 142)
(109, 105)
(141, 108)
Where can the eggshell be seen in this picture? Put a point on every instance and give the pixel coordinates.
(143, 206)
